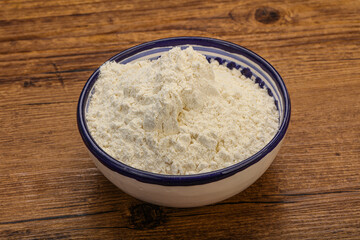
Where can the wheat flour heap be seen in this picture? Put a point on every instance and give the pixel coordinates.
(179, 114)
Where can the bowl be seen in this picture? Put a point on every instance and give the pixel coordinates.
(197, 189)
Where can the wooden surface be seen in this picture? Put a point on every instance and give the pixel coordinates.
(49, 188)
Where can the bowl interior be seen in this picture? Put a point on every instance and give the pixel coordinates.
(243, 63)
(233, 56)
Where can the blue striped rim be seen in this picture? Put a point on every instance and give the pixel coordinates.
(183, 180)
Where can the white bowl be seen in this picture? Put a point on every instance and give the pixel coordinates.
(197, 189)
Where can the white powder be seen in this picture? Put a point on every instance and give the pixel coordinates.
(179, 114)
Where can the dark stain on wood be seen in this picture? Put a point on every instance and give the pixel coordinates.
(267, 15)
(29, 84)
(146, 216)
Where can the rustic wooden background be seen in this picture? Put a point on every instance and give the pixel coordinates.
(49, 188)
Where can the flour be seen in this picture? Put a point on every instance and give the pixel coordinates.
(179, 114)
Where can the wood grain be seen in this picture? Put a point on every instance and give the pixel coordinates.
(49, 188)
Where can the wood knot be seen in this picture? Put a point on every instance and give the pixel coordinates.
(29, 83)
(267, 15)
(146, 216)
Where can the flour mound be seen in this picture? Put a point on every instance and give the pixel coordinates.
(179, 114)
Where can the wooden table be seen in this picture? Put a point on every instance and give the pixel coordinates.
(50, 189)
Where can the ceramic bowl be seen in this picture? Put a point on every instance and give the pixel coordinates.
(197, 189)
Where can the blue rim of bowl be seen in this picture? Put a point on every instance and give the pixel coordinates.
(182, 180)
